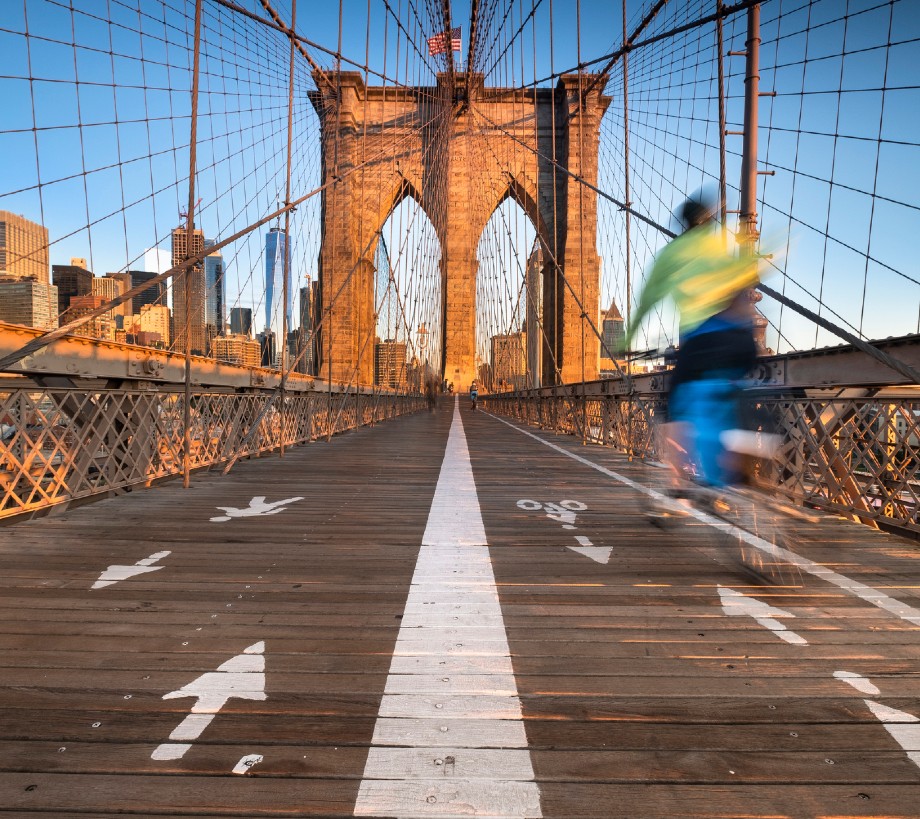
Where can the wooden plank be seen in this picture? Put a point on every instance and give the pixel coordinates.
(640, 697)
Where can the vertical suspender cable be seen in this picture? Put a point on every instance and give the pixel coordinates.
(720, 62)
(286, 286)
(627, 200)
(190, 232)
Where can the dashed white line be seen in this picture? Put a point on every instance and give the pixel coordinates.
(736, 604)
(861, 590)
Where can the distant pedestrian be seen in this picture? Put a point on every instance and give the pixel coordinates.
(431, 394)
(474, 394)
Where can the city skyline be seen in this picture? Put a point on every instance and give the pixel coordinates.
(828, 229)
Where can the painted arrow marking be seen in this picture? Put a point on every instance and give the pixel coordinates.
(599, 554)
(257, 508)
(903, 727)
(242, 676)
(115, 573)
(736, 604)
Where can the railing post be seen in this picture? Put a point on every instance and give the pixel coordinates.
(187, 276)
(747, 228)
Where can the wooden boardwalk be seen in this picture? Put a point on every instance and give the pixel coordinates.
(158, 662)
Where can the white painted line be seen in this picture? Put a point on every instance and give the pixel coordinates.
(599, 554)
(861, 590)
(169, 750)
(246, 764)
(242, 676)
(860, 683)
(115, 573)
(903, 727)
(736, 604)
(450, 741)
(257, 508)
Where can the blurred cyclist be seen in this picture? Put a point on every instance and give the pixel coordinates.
(711, 289)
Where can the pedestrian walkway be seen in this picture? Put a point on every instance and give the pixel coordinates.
(448, 615)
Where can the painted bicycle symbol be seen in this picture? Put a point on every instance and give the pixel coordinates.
(563, 512)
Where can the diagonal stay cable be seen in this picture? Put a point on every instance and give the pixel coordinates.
(868, 349)
(53, 335)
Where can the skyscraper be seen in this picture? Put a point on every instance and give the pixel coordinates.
(102, 326)
(304, 348)
(152, 295)
(276, 249)
(110, 287)
(214, 290)
(154, 318)
(28, 302)
(613, 332)
(23, 249)
(189, 321)
(236, 349)
(71, 280)
(241, 321)
(390, 364)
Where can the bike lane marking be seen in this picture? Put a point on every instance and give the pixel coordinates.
(452, 741)
(861, 590)
(903, 727)
(736, 604)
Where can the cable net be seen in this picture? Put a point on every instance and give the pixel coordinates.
(98, 194)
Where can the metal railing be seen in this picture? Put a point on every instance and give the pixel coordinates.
(58, 445)
(853, 452)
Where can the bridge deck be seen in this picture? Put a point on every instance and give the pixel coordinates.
(633, 692)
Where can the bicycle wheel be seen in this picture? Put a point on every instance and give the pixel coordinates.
(760, 534)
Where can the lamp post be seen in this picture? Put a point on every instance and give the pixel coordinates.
(422, 336)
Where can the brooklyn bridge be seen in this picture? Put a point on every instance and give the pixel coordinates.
(262, 556)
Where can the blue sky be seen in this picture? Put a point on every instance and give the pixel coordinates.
(128, 178)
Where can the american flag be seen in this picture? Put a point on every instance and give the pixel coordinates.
(438, 43)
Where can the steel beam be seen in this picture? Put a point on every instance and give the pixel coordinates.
(78, 357)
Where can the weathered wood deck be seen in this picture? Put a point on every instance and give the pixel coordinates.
(639, 696)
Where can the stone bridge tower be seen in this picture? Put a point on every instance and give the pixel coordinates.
(460, 149)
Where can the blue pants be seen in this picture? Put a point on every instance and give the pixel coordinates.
(709, 406)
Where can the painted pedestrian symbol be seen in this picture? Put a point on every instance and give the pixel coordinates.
(242, 677)
(257, 508)
(564, 512)
(115, 573)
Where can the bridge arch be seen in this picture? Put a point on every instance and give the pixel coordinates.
(440, 166)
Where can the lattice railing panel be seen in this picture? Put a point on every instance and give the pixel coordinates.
(856, 456)
(58, 445)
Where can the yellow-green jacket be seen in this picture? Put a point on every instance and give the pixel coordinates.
(700, 275)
